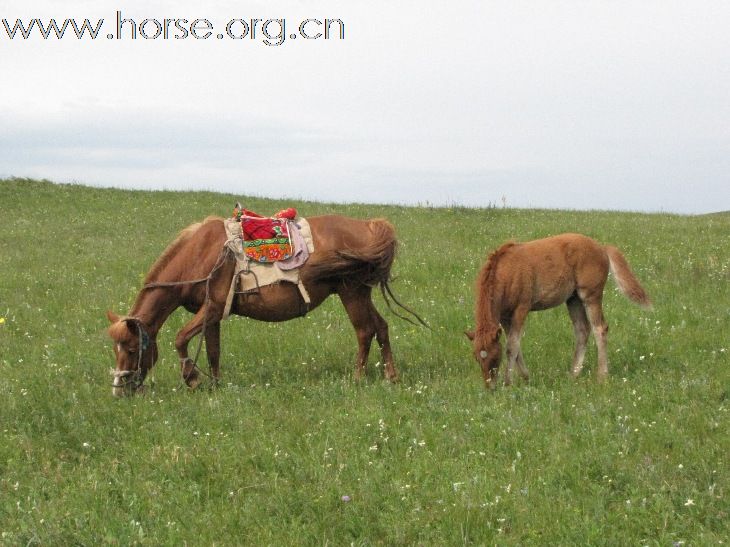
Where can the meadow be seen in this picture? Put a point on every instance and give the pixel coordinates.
(290, 450)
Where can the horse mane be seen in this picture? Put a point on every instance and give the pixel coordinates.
(172, 249)
(485, 319)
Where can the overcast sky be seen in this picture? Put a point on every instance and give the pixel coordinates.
(564, 104)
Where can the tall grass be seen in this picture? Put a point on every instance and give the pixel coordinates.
(290, 450)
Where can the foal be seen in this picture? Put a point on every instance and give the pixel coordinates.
(521, 277)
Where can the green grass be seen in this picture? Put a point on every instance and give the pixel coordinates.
(435, 460)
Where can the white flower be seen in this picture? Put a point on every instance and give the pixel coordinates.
(689, 502)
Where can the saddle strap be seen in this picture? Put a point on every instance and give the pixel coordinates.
(235, 281)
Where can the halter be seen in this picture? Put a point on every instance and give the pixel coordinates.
(136, 379)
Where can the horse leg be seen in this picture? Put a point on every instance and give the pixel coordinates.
(359, 309)
(521, 367)
(213, 349)
(187, 367)
(580, 328)
(381, 335)
(519, 360)
(600, 332)
(514, 352)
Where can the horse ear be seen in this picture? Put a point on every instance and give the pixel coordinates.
(111, 316)
(469, 334)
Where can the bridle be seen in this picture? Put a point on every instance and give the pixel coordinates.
(133, 378)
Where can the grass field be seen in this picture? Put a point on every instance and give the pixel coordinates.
(289, 450)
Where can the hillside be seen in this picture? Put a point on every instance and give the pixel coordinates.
(290, 450)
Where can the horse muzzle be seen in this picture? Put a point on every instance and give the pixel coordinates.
(127, 382)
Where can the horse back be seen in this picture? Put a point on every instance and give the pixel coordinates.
(336, 232)
(545, 272)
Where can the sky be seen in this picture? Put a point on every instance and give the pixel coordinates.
(571, 104)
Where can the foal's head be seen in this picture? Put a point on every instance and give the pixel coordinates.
(488, 353)
(135, 352)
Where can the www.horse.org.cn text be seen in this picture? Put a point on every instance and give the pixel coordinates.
(270, 32)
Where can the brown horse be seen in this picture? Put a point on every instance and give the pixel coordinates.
(521, 277)
(195, 271)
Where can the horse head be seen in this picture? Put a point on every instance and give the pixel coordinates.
(135, 353)
(488, 353)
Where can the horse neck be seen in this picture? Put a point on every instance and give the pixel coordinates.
(153, 307)
(155, 304)
(488, 306)
(487, 316)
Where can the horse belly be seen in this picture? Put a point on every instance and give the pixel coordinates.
(551, 296)
(278, 302)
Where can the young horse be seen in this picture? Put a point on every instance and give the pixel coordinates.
(521, 277)
(351, 257)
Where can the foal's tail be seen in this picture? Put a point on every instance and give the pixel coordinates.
(368, 264)
(625, 278)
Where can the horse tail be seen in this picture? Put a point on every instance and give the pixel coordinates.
(368, 264)
(625, 278)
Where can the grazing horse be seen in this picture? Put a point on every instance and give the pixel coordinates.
(521, 277)
(196, 270)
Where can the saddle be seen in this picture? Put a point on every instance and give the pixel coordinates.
(266, 239)
(261, 245)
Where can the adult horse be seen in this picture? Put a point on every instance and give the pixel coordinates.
(196, 270)
(521, 277)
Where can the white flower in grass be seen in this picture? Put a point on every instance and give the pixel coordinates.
(689, 503)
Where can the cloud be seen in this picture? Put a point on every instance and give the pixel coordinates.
(550, 105)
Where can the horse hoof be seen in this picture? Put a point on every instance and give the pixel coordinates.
(192, 380)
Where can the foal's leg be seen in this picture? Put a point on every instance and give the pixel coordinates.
(600, 332)
(580, 328)
(521, 367)
(514, 353)
(519, 359)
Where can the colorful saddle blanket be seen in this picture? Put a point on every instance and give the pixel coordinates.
(267, 239)
(251, 275)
